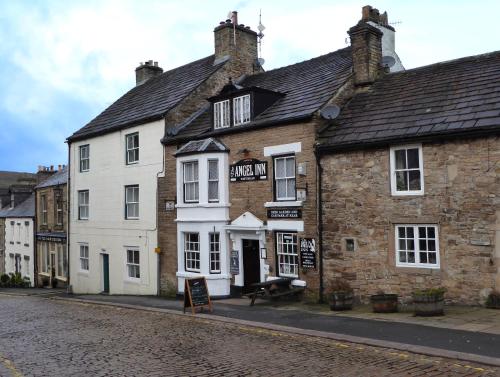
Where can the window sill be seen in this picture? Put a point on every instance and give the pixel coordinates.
(135, 281)
(83, 273)
(208, 276)
(407, 193)
(417, 266)
(202, 205)
(292, 203)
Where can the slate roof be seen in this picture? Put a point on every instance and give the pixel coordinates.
(458, 97)
(151, 100)
(25, 209)
(307, 87)
(9, 178)
(56, 179)
(202, 146)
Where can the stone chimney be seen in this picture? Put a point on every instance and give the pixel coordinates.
(146, 71)
(366, 45)
(238, 43)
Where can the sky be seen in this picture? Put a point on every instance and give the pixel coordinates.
(63, 62)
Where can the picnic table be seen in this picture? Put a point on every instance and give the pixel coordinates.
(272, 289)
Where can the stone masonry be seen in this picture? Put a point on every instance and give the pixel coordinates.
(462, 196)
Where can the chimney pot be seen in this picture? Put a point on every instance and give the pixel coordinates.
(365, 13)
(51, 167)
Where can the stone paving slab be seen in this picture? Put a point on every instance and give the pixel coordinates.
(61, 338)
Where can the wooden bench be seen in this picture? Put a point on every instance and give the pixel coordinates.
(273, 289)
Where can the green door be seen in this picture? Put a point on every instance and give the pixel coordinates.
(105, 272)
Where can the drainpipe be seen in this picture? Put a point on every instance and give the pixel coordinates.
(319, 200)
(35, 242)
(68, 220)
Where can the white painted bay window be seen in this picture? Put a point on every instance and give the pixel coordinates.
(62, 261)
(83, 204)
(132, 202)
(241, 108)
(133, 264)
(214, 253)
(192, 251)
(407, 173)
(222, 114)
(288, 255)
(213, 180)
(132, 145)
(84, 158)
(191, 183)
(284, 178)
(417, 246)
(84, 257)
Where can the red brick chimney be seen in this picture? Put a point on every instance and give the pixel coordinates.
(366, 45)
(238, 43)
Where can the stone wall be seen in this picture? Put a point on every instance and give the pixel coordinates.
(462, 196)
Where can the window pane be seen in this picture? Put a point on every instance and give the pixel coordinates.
(280, 189)
(421, 232)
(432, 258)
(213, 170)
(402, 257)
(400, 156)
(413, 162)
(291, 188)
(422, 245)
(431, 232)
(213, 190)
(414, 179)
(280, 168)
(423, 257)
(432, 245)
(410, 244)
(409, 232)
(401, 232)
(401, 181)
(411, 257)
(402, 244)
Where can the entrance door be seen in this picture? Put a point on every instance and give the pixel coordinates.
(251, 263)
(105, 272)
(52, 268)
(18, 264)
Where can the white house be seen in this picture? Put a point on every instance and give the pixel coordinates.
(113, 236)
(19, 238)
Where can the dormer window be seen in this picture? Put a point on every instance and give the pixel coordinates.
(241, 109)
(222, 117)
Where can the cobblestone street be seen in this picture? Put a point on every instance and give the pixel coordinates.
(40, 337)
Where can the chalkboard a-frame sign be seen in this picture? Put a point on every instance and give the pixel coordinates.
(196, 294)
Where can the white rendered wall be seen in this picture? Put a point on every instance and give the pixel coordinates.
(204, 218)
(19, 240)
(107, 230)
(389, 46)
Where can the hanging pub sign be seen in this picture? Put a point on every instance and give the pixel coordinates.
(234, 265)
(308, 253)
(250, 169)
(284, 213)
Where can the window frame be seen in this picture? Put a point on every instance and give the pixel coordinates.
(44, 265)
(214, 253)
(275, 186)
(87, 158)
(85, 258)
(58, 208)
(61, 268)
(133, 265)
(216, 161)
(86, 205)
(393, 170)
(133, 149)
(240, 110)
(43, 209)
(192, 251)
(416, 244)
(127, 203)
(196, 182)
(278, 253)
(220, 118)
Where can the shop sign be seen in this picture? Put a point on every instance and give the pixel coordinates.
(234, 266)
(51, 238)
(284, 213)
(308, 253)
(248, 170)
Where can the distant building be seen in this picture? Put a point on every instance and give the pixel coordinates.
(51, 230)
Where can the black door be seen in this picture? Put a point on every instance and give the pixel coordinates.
(251, 263)
(105, 272)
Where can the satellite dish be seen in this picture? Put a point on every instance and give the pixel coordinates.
(261, 61)
(330, 112)
(388, 61)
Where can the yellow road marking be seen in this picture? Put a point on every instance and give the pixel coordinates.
(10, 366)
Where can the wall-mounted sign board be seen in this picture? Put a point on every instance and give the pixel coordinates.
(196, 294)
(234, 265)
(308, 253)
(284, 213)
(250, 169)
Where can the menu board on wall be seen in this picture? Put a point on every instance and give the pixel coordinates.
(308, 253)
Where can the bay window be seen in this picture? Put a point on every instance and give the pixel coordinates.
(213, 180)
(192, 251)
(191, 184)
(214, 253)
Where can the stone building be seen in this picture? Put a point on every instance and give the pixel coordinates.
(117, 158)
(410, 191)
(51, 254)
(244, 205)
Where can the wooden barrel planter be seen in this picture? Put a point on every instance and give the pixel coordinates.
(384, 303)
(429, 303)
(493, 301)
(341, 300)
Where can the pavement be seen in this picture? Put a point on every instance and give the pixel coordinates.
(75, 337)
(404, 332)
